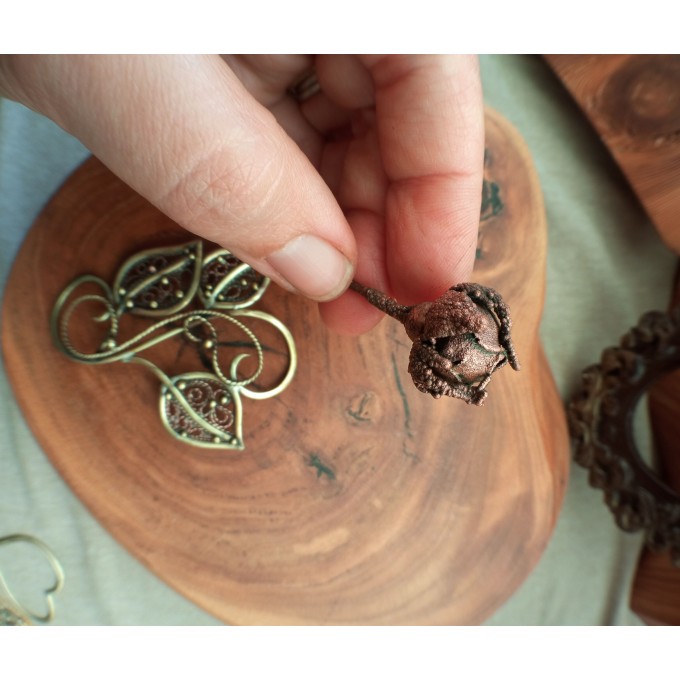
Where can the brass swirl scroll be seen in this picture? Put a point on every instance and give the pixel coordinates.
(13, 612)
(186, 295)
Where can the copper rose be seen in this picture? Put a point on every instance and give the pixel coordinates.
(459, 340)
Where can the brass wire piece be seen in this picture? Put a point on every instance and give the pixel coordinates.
(187, 294)
(12, 611)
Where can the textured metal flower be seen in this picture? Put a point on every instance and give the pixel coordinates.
(459, 340)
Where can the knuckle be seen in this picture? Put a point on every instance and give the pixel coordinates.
(220, 190)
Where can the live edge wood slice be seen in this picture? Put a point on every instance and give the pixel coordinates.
(358, 500)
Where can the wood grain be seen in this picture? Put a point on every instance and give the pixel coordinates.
(633, 101)
(358, 500)
(655, 594)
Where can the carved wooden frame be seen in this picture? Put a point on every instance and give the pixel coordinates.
(601, 425)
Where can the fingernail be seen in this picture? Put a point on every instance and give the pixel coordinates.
(313, 267)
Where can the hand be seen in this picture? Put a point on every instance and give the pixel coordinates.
(377, 176)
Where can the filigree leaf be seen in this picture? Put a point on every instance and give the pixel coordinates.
(159, 281)
(203, 411)
(228, 283)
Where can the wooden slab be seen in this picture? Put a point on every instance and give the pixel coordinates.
(358, 500)
(633, 101)
(655, 593)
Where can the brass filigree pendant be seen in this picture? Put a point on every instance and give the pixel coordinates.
(188, 295)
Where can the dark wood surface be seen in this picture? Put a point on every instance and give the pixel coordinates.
(655, 594)
(357, 499)
(633, 101)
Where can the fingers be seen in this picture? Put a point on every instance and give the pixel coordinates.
(186, 134)
(268, 79)
(431, 133)
(268, 76)
(350, 314)
(361, 191)
(345, 80)
(418, 183)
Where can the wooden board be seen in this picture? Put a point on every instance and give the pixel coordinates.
(633, 101)
(655, 594)
(358, 500)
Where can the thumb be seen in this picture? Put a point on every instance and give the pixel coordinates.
(184, 133)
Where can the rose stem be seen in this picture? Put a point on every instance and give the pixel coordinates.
(383, 302)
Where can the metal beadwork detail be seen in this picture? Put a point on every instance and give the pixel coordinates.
(228, 283)
(158, 281)
(187, 295)
(202, 410)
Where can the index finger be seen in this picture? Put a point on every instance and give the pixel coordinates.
(430, 122)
